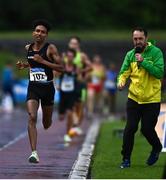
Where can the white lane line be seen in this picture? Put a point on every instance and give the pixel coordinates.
(22, 135)
(81, 165)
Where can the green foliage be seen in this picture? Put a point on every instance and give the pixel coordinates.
(104, 35)
(83, 14)
(107, 157)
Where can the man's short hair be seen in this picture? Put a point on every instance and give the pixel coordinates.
(141, 29)
(42, 22)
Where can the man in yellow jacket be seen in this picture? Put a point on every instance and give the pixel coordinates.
(144, 66)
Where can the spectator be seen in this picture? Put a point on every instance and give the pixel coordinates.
(8, 81)
(144, 65)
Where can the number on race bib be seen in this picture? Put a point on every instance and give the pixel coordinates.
(38, 74)
(67, 84)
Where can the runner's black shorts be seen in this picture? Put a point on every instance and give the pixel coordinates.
(41, 91)
(67, 101)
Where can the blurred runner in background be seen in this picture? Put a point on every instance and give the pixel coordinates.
(95, 86)
(67, 88)
(84, 66)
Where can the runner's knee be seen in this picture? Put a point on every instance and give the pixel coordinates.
(32, 118)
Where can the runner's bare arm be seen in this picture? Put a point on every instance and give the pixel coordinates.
(27, 46)
(20, 64)
(54, 54)
(86, 61)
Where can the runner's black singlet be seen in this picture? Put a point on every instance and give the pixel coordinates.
(39, 72)
(40, 78)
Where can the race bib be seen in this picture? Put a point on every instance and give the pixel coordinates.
(110, 84)
(38, 74)
(67, 84)
(95, 80)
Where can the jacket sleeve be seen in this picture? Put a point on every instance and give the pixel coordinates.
(125, 70)
(155, 67)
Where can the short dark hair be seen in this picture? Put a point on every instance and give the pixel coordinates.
(141, 29)
(72, 51)
(75, 37)
(42, 22)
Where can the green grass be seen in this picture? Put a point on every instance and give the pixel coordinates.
(63, 35)
(107, 157)
(84, 34)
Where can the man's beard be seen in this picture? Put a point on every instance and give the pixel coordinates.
(140, 48)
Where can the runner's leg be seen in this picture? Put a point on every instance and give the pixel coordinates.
(32, 107)
(47, 116)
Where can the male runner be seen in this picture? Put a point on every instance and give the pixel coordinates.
(42, 58)
(84, 65)
(67, 87)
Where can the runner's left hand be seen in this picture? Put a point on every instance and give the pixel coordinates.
(38, 58)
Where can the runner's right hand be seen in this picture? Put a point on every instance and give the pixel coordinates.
(20, 65)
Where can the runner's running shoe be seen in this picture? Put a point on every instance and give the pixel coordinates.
(67, 138)
(34, 158)
(78, 130)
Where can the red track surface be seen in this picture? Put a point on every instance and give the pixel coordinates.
(56, 160)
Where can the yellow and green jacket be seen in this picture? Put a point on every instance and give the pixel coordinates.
(145, 84)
